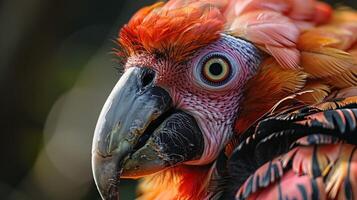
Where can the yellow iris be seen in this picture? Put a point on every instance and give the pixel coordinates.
(216, 70)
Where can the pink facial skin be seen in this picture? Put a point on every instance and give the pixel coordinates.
(214, 107)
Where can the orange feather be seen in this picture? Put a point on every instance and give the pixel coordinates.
(319, 92)
(176, 33)
(274, 83)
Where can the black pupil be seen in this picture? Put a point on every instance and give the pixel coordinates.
(216, 69)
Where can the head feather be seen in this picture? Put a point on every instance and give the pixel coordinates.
(175, 32)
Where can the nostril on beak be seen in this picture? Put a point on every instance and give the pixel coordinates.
(147, 77)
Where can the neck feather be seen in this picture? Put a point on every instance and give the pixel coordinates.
(177, 183)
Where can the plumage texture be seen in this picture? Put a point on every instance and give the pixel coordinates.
(309, 60)
(173, 32)
(321, 165)
(275, 83)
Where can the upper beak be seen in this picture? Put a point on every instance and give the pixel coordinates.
(139, 132)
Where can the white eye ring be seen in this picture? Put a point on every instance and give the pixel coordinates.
(215, 71)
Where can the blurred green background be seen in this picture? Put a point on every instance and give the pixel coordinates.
(56, 71)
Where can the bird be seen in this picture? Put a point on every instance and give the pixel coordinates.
(232, 99)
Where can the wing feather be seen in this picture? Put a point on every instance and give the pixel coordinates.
(314, 154)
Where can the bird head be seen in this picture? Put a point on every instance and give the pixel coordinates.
(178, 97)
(182, 90)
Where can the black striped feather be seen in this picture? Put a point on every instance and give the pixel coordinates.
(304, 154)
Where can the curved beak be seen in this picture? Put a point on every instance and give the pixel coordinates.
(139, 133)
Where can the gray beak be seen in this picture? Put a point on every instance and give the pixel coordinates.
(139, 133)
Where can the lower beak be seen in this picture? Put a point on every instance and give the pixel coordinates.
(139, 133)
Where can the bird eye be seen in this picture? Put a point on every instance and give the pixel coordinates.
(216, 70)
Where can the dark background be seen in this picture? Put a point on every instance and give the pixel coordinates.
(55, 73)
